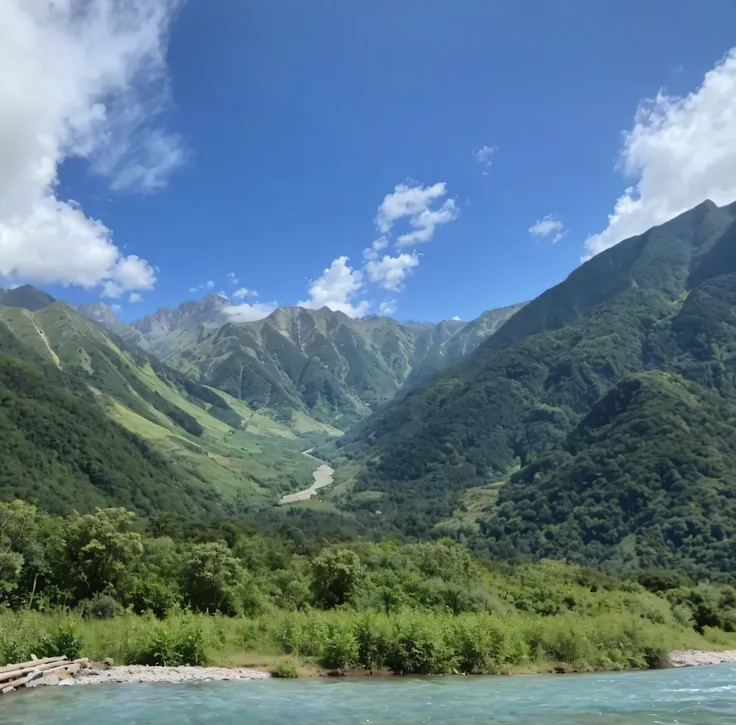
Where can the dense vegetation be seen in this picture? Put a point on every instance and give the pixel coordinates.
(57, 447)
(420, 608)
(596, 465)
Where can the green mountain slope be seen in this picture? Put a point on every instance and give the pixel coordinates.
(319, 362)
(228, 455)
(661, 301)
(59, 449)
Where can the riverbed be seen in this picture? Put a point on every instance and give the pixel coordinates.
(322, 477)
(688, 696)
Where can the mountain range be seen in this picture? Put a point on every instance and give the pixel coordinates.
(192, 436)
(596, 424)
(323, 363)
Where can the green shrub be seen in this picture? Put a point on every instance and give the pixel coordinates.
(285, 671)
(341, 649)
(100, 606)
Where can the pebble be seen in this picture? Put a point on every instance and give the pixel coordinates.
(143, 673)
(693, 658)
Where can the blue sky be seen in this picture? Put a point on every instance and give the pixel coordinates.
(275, 139)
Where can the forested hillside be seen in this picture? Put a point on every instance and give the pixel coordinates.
(320, 362)
(551, 393)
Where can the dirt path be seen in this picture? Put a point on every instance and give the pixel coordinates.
(322, 477)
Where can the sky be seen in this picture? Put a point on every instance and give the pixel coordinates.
(421, 159)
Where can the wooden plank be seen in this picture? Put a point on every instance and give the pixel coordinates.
(7, 690)
(30, 663)
(14, 674)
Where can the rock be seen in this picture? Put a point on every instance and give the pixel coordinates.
(108, 661)
(70, 681)
(45, 680)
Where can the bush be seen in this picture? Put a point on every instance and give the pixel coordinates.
(285, 671)
(100, 606)
(341, 649)
(174, 642)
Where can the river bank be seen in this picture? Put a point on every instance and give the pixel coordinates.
(696, 658)
(323, 477)
(134, 674)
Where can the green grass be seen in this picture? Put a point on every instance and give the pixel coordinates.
(407, 643)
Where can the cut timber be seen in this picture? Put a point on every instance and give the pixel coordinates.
(7, 690)
(32, 663)
(15, 674)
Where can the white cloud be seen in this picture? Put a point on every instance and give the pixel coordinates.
(414, 202)
(244, 292)
(484, 156)
(195, 289)
(232, 278)
(679, 152)
(337, 289)
(390, 272)
(456, 318)
(210, 284)
(387, 307)
(116, 308)
(375, 248)
(222, 294)
(80, 80)
(135, 297)
(426, 222)
(549, 228)
(250, 313)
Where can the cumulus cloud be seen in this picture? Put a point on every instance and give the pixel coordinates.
(82, 80)
(375, 248)
(484, 156)
(116, 308)
(456, 318)
(232, 278)
(387, 307)
(550, 228)
(390, 272)
(135, 297)
(244, 292)
(414, 203)
(210, 284)
(337, 289)
(679, 152)
(250, 313)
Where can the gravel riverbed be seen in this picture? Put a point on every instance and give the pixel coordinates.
(693, 658)
(142, 673)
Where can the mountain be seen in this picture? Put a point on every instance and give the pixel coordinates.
(200, 450)
(26, 296)
(187, 316)
(105, 316)
(321, 362)
(563, 421)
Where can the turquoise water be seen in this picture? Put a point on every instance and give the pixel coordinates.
(695, 696)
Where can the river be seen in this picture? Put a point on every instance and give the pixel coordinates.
(688, 696)
(322, 477)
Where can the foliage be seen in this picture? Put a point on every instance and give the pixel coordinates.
(614, 393)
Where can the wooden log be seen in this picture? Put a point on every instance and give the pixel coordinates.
(20, 665)
(7, 690)
(15, 674)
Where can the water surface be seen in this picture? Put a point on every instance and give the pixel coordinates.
(694, 696)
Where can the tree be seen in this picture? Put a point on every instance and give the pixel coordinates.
(335, 576)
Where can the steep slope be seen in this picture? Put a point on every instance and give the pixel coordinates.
(235, 458)
(658, 301)
(26, 296)
(646, 479)
(105, 316)
(59, 449)
(322, 362)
